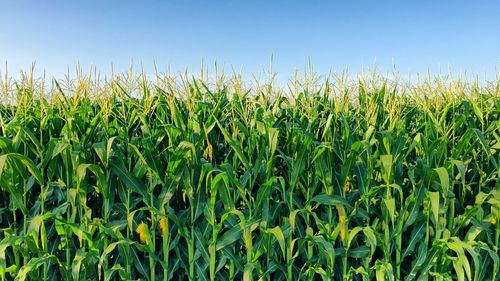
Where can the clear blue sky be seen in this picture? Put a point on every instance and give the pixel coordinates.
(244, 34)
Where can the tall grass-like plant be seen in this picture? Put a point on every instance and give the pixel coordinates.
(173, 177)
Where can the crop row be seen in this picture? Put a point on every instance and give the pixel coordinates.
(183, 180)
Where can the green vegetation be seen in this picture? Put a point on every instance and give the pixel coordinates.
(177, 178)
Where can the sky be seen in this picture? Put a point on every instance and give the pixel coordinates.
(413, 36)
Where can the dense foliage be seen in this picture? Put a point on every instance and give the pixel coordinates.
(355, 179)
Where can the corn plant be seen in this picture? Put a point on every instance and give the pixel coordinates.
(183, 178)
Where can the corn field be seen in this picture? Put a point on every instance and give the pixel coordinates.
(171, 177)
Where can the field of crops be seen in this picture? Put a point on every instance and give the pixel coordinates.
(177, 178)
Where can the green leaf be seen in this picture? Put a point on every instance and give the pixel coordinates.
(235, 146)
(444, 178)
(77, 264)
(416, 237)
(33, 264)
(273, 139)
(327, 125)
(129, 180)
(28, 163)
(229, 237)
(390, 204)
(386, 161)
(330, 200)
(434, 197)
(359, 252)
(139, 265)
(278, 234)
(3, 160)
